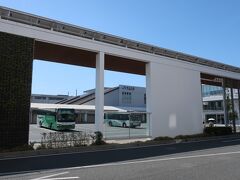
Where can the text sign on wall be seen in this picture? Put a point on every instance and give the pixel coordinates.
(129, 88)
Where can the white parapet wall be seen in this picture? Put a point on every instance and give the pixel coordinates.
(175, 100)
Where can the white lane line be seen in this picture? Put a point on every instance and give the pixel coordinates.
(231, 140)
(153, 160)
(50, 177)
(63, 178)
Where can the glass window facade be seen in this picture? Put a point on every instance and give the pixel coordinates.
(213, 105)
(208, 90)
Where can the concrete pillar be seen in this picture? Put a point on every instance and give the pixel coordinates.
(99, 92)
(148, 95)
(203, 115)
(16, 58)
(232, 100)
(174, 100)
(225, 104)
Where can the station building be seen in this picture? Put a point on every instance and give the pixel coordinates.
(131, 98)
(213, 103)
(122, 98)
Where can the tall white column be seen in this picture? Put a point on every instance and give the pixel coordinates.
(99, 92)
(225, 104)
(148, 94)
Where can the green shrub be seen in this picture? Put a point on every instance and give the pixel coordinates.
(98, 138)
(217, 131)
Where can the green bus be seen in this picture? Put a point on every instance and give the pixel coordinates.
(57, 119)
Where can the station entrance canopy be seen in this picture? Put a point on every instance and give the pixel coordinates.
(219, 81)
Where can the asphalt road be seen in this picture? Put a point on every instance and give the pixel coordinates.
(215, 159)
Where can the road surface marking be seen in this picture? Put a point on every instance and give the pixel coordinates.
(49, 177)
(231, 140)
(63, 178)
(153, 160)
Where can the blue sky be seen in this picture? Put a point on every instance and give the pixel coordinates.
(205, 28)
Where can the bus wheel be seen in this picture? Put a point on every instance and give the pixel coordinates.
(124, 125)
(110, 123)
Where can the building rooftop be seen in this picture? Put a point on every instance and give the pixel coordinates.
(73, 106)
(85, 97)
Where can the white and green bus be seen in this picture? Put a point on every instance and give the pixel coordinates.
(124, 119)
(56, 119)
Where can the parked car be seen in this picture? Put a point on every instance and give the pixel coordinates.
(211, 122)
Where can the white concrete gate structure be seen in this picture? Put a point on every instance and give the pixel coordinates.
(173, 79)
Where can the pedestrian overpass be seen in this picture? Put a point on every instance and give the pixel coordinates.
(173, 79)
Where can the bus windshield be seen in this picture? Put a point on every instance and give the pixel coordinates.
(66, 115)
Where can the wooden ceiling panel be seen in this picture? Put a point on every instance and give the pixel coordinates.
(65, 55)
(73, 56)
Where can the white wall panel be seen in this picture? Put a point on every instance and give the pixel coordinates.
(174, 99)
